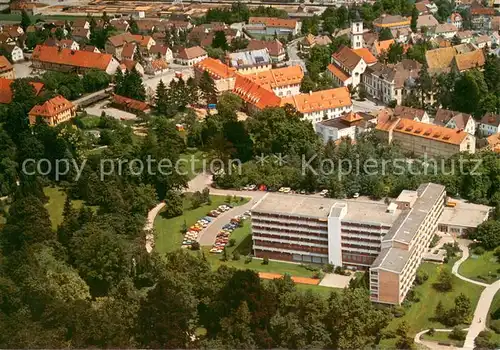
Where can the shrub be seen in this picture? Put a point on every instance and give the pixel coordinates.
(444, 282)
(431, 331)
(478, 250)
(231, 242)
(248, 259)
(483, 340)
(434, 241)
(421, 277)
(236, 256)
(398, 311)
(497, 253)
(265, 261)
(319, 274)
(412, 296)
(457, 334)
(495, 325)
(195, 246)
(328, 268)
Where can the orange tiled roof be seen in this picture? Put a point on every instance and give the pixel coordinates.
(278, 77)
(255, 94)
(470, 60)
(6, 91)
(337, 72)
(130, 103)
(383, 45)
(216, 68)
(52, 107)
(273, 22)
(5, 65)
(122, 39)
(424, 130)
(84, 59)
(319, 100)
(366, 55)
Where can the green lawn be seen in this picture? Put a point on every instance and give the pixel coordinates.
(481, 268)
(443, 338)
(169, 231)
(419, 315)
(55, 205)
(495, 305)
(192, 162)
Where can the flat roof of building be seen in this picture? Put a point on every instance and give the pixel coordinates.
(464, 214)
(312, 206)
(405, 227)
(392, 259)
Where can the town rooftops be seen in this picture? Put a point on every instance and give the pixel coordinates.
(491, 119)
(249, 58)
(424, 130)
(52, 107)
(348, 120)
(381, 46)
(406, 225)
(443, 116)
(427, 21)
(319, 100)
(275, 47)
(391, 21)
(124, 38)
(366, 55)
(278, 77)
(347, 57)
(338, 72)
(255, 94)
(130, 103)
(465, 34)
(216, 68)
(408, 113)
(158, 49)
(318, 40)
(5, 65)
(398, 73)
(482, 39)
(274, 22)
(445, 28)
(83, 59)
(191, 53)
(6, 91)
(469, 60)
(482, 11)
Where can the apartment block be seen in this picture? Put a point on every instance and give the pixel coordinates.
(393, 272)
(320, 230)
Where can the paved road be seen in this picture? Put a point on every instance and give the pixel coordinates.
(365, 106)
(293, 58)
(148, 227)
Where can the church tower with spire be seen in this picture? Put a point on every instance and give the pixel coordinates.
(357, 32)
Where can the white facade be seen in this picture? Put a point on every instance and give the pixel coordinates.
(337, 212)
(357, 35)
(330, 113)
(469, 128)
(192, 61)
(17, 54)
(112, 66)
(288, 90)
(330, 133)
(488, 129)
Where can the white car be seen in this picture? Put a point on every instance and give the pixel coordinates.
(324, 192)
(355, 195)
(286, 190)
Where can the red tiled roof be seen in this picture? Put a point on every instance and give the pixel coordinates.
(216, 68)
(51, 107)
(6, 91)
(366, 55)
(5, 65)
(122, 39)
(319, 100)
(130, 103)
(275, 47)
(83, 59)
(278, 77)
(191, 52)
(347, 57)
(254, 94)
(337, 72)
(128, 50)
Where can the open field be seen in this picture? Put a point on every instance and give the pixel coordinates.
(482, 268)
(420, 315)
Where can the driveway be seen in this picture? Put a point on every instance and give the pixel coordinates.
(366, 106)
(100, 107)
(293, 57)
(23, 69)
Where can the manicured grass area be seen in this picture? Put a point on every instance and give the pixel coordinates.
(192, 162)
(55, 205)
(443, 338)
(481, 268)
(169, 231)
(90, 121)
(321, 290)
(420, 315)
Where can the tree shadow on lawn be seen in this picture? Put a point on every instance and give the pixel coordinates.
(245, 246)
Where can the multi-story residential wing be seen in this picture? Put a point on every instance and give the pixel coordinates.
(250, 61)
(255, 96)
(190, 56)
(455, 19)
(224, 76)
(481, 17)
(275, 48)
(391, 22)
(348, 65)
(271, 26)
(393, 272)
(348, 125)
